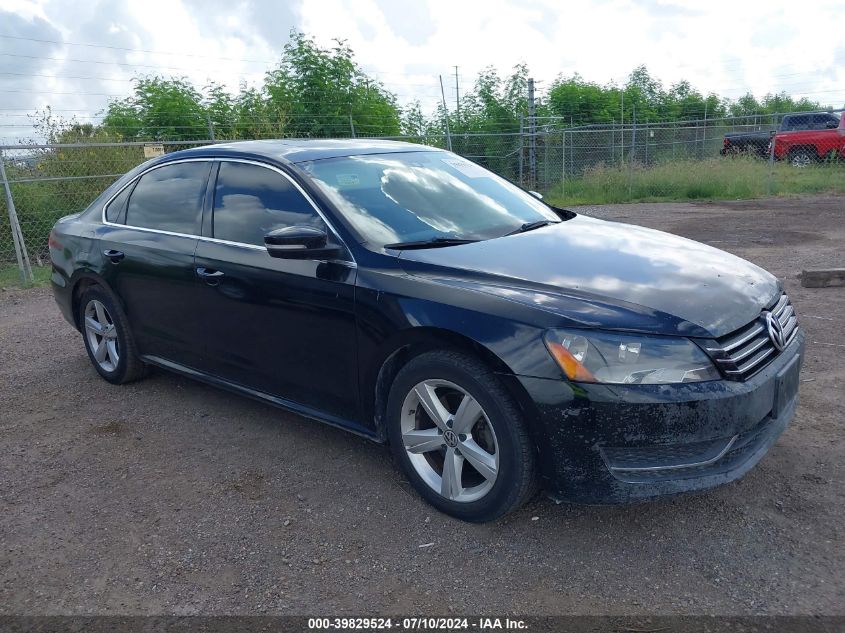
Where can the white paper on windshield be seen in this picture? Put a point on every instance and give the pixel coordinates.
(467, 168)
(347, 180)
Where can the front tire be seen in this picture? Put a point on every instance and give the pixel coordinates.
(108, 340)
(459, 437)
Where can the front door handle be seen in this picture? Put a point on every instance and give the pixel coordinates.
(114, 256)
(210, 276)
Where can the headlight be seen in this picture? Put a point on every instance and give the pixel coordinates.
(605, 357)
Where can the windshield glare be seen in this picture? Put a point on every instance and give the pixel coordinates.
(411, 196)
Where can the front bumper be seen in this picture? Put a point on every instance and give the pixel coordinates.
(618, 443)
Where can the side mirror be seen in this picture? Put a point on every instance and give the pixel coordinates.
(831, 125)
(536, 194)
(300, 242)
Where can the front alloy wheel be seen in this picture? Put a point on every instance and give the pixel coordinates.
(449, 440)
(459, 436)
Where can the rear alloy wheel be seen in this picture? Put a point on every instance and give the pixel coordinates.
(107, 337)
(101, 335)
(459, 437)
(801, 158)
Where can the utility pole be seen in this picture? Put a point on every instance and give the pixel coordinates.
(532, 134)
(457, 99)
(445, 115)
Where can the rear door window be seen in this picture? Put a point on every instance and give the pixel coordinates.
(170, 198)
(824, 121)
(250, 201)
(797, 122)
(116, 209)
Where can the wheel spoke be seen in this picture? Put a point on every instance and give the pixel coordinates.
(467, 414)
(451, 478)
(112, 352)
(432, 405)
(102, 350)
(101, 314)
(93, 325)
(423, 440)
(481, 460)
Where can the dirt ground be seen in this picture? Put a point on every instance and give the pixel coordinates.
(167, 496)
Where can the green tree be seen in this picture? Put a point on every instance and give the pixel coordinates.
(159, 109)
(323, 92)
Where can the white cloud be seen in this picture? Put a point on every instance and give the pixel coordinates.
(724, 47)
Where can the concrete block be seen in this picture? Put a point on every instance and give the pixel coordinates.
(823, 278)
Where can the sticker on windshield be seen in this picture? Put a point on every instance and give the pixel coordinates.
(347, 180)
(467, 168)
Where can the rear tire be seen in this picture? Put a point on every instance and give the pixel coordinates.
(459, 437)
(108, 340)
(801, 158)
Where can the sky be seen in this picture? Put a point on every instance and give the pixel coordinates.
(77, 55)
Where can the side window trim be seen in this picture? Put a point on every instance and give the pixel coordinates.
(331, 229)
(207, 229)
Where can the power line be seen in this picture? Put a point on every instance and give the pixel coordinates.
(366, 69)
(132, 50)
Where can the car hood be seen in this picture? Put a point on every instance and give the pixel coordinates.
(607, 274)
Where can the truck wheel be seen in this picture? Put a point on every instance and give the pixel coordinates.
(801, 158)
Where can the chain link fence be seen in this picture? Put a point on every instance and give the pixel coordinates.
(594, 164)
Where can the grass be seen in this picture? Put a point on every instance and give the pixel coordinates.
(10, 276)
(714, 179)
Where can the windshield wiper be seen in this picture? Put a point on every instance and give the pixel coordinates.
(434, 242)
(530, 226)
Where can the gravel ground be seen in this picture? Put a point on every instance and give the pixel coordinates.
(167, 496)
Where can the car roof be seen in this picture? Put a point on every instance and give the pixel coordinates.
(299, 150)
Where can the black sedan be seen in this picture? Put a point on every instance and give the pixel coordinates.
(401, 292)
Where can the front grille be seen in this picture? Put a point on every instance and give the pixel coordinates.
(744, 352)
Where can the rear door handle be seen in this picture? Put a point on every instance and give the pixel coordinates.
(113, 255)
(209, 275)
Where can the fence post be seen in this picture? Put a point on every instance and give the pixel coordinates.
(771, 159)
(521, 148)
(17, 235)
(563, 162)
(532, 135)
(632, 154)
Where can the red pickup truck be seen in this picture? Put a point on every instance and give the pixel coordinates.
(820, 137)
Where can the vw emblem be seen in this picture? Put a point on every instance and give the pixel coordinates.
(451, 438)
(775, 331)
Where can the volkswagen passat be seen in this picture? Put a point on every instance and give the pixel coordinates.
(406, 294)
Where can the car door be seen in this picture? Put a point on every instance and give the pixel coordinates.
(147, 242)
(280, 326)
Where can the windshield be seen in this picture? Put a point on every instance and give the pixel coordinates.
(414, 196)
